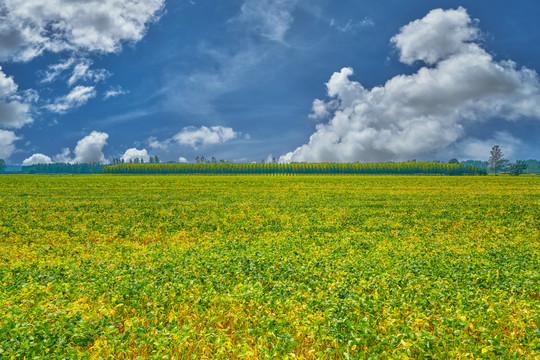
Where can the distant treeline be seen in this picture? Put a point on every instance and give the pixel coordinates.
(533, 166)
(61, 168)
(427, 168)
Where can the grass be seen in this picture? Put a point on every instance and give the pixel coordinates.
(257, 267)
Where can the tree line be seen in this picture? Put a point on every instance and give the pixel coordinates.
(61, 168)
(407, 168)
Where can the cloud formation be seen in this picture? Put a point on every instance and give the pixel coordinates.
(77, 97)
(439, 35)
(79, 69)
(37, 159)
(30, 27)
(425, 111)
(82, 72)
(90, 148)
(14, 113)
(63, 157)
(7, 146)
(114, 92)
(192, 136)
(133, 153)
(269, 18)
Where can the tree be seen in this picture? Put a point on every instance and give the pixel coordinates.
(2, 165)
(518, 168)
(453, 161)
(496, 160)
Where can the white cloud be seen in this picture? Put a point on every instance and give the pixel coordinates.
(37, 159)
(63, 157)
(7, 146)
(114, 92)
(182, 159)
(425, 111)
(194, 137)
(133, 153)
(155, 144)
(437, 36)
(321, 110)
(77, 97)
(90, 148)
(269, 18)
(7, 85)
(55, 70)
(30, 27)
(82, 72)
(13, 112)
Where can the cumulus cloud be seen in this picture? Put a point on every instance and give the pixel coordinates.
(90, 148)
(194, 137)
(425, 111)
(63, 157)
(182, 159)
(77, 97)
(320, 110)
(37, 159)
(14, 113)
(439, 35)
(30, 27)
(269, 18)
(7, 85)
(7, 143)
(133, 153)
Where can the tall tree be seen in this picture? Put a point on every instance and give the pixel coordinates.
(496, 160)
(2, 165)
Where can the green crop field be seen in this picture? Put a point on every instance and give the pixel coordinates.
(269, 267)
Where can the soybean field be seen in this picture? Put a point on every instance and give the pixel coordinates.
(269, 267)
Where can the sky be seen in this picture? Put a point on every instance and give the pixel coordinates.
(257, 80)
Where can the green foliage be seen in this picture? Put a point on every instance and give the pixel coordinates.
(518, 168)
(269, 267)
(61, 168)
(216, 168)
(533, 166)
(2, 166)
(453, 161)
(496, 161)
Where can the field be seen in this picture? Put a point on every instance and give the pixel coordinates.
(269, 267)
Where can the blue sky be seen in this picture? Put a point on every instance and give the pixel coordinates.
(249, 80)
